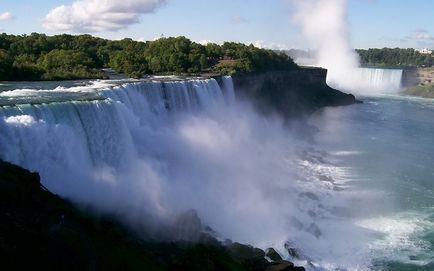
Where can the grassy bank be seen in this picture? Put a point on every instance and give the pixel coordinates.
(426, 91)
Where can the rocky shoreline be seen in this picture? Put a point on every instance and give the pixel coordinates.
(41, 230)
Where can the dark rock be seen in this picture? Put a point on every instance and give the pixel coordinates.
(281, 266)
(251, 258)
(208, 239)
(199, 257)
(292, 251)
(241, 251)
(290, 93)
(272, 254)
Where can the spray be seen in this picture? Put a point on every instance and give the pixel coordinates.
(324, 25)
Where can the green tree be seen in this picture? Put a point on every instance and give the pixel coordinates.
(5, 65)
(67, 64)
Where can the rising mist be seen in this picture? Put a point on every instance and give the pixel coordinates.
(324, 25)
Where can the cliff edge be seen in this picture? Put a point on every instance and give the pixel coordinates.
(291, 93)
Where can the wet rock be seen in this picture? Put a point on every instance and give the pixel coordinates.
(292, 251)
(242, 251)
(250, 257)
(281, 266)
(290, 93)
(273, 254)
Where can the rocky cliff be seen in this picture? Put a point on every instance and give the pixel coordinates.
(291, 93)
(418, 82)
(417, 76)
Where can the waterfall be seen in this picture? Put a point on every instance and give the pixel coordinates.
(149, 150)
(373, 80)
(52, 136)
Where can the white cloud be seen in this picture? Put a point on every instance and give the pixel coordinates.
(418, 38)
(420, 35)
(86, 16)
(6, 16)
(239, 20)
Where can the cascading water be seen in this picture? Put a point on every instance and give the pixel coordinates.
(371, 80)
(149, 150)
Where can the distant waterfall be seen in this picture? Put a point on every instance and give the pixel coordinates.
(373, 80)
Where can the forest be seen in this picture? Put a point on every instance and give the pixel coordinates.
(394, 58)
(61, 57)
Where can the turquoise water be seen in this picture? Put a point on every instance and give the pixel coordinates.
(388, 142)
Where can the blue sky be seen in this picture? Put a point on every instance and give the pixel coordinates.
(372, 23)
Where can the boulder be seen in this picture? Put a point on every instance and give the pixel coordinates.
(273, 255)
(292, 251)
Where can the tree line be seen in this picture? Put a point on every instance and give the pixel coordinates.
(395, 57)
(41, 57)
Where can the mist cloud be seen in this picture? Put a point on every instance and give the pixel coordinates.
(87, 16)
(323, 23)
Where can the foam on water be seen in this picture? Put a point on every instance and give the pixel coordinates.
(25, 120)
(401, 238)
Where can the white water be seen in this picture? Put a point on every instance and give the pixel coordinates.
(154, 149)
(372, 80)
(364, 81)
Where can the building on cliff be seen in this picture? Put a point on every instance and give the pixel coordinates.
(424, 51)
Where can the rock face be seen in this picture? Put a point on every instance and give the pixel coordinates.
(272, 254)
(418, 82)
(291, 93)
(417, 76)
